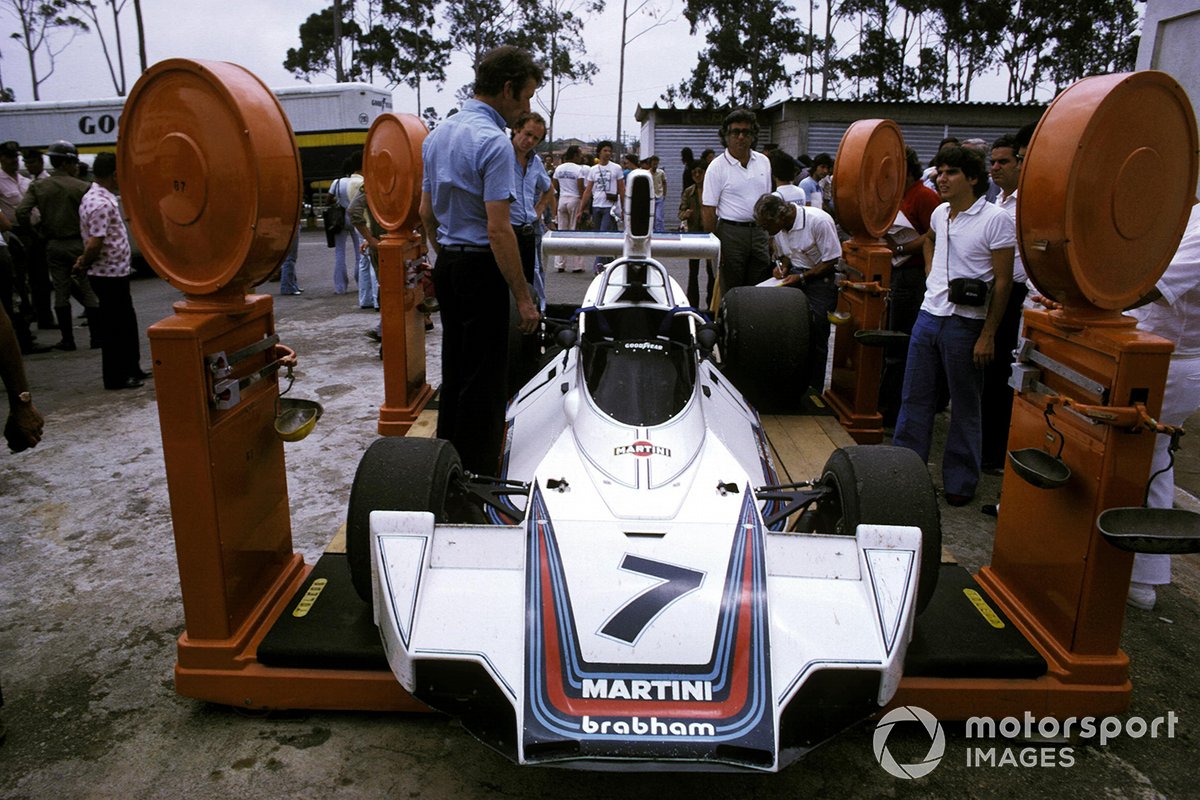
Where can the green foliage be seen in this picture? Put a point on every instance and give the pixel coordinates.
(403, 46)
(902, 49)
(315, 55)
(1092, 37)
(745, 57)
(553, 30)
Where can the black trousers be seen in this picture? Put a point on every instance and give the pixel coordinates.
(908, 292)
(474, 300)
(997, 394)
(527, 247)
(118, 330)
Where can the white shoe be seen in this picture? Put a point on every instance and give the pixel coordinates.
(1142, 595)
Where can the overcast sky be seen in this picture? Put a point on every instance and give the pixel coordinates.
(258, 33)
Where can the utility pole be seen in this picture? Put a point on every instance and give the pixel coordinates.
(621, 77)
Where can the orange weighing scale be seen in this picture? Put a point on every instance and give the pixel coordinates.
(868, 185)
(212, 187)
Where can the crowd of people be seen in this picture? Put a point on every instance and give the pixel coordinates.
(64, 239)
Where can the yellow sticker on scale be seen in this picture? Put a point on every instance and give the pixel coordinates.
(310, 597)
(983, 608)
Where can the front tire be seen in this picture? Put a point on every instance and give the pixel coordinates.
(396, 474)
(883, 485)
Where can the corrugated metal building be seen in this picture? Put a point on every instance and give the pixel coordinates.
(816, 126)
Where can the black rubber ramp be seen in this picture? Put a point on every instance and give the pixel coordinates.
(325, 625)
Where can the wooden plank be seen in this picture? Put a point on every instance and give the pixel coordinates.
(802, 443)
(338, 543)
(425, 426)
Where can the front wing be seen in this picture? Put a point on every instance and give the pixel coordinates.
(783, 642)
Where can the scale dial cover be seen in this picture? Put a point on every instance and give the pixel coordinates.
(392, 168)
(1106, 187)
(868, 177)
(209, 173)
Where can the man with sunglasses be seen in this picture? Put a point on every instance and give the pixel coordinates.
(732, 185)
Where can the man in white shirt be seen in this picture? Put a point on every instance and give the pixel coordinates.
(968, 258)
(1171, 310)
(997, 394)
(604, 187)
(807, 242)
(568, 182)
(732, 185)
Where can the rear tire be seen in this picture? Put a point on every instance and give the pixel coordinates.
(883, 485)
(764, 347)
(395, 474)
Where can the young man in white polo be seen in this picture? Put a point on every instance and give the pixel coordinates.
(969, 260)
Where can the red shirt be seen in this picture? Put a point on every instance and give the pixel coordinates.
(918, 204)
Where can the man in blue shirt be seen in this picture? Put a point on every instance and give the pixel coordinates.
(534, 195)
(466, 193)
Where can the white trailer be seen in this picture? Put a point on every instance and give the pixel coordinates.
(330, 122)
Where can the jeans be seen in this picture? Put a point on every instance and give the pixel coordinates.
(602, 220)
(368, 285)
(287, 270)
(944, 346)
(339, 256)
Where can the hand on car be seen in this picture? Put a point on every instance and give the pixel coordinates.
(529, 315)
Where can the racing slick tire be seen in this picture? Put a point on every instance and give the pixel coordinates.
(764, 346)
(395, 474)
(880, 484)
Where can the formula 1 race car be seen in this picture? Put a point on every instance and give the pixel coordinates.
(637, 590)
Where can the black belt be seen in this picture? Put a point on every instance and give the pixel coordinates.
(524, 230)
(466, 248)
(738, 224)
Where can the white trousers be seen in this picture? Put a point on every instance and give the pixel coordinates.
(1181, 399)
(568, 217)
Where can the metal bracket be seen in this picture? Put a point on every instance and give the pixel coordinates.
(1026, 353)
(227, 390)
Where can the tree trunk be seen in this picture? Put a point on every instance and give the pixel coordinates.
(827, 48)
(116, 13)
(141, 31)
